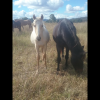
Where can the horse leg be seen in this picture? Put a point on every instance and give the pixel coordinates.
(42, 49)
(38, 56)
(29, 27)
(44, 55)
(19, 28)
(66, 57)
(59, 58)
(62, 51)
(22, 27)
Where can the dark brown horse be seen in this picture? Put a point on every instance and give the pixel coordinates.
(24, 22)
(17, 25)
(64, 34)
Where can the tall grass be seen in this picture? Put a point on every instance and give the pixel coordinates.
(27, 85)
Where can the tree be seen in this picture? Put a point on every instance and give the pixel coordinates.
(52, 18)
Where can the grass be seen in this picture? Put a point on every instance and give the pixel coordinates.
(27, 85)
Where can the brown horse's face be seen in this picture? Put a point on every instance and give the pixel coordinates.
(77, 61)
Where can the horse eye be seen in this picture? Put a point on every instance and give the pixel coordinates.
(34, 25)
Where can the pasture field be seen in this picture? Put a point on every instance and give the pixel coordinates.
(27, 85)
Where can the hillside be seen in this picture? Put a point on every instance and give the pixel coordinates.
(81, 19)
(75, 20)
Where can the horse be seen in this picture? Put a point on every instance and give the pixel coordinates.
(24, 22)
(16, 25)
(40, 37)
(64, 35)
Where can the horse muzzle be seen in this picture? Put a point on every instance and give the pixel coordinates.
(38, 38)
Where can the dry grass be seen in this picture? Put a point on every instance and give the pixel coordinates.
(27, 85)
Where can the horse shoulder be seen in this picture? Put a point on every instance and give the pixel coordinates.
(55, 30)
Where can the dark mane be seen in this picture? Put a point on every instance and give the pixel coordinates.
(68, 31)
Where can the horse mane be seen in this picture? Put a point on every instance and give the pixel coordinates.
(68, 31)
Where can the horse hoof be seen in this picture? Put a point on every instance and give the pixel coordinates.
(58, 72)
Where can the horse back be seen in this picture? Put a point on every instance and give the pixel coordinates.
(57, 36)
(64, 32)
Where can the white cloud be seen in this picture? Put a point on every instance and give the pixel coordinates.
(77, 8)
(70, 9)
(19, 6)
(46, 15)
(40, 4)
(62, 16)
(76, 15)
(20, 14)
(17, 14)
(45, 7)
(81, 14)
(86, 3)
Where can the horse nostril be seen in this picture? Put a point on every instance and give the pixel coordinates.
(38, 38)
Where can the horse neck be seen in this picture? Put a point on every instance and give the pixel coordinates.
(69, 35)
(77, 49)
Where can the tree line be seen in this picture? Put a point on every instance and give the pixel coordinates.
(52, 19)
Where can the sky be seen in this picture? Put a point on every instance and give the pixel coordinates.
(60, 8)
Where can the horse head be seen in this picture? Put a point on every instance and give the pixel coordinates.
(77, 60)
(38, 26)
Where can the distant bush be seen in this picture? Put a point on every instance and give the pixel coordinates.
(78, 20)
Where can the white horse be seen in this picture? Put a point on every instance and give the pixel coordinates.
(40, 37)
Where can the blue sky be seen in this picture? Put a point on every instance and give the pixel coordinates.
(60, 8)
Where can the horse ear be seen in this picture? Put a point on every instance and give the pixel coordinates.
(41, 16)
(34, 17)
